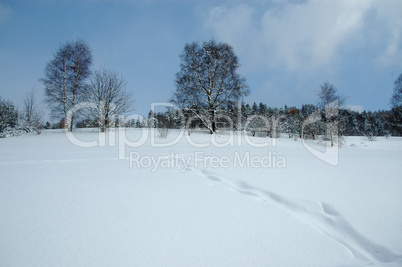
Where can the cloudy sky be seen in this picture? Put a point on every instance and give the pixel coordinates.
(286, 48)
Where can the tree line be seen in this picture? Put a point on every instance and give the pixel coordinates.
(209, 94)
(307, 122)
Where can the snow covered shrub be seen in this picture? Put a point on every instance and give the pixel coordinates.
(258, 126)
(9, 132)
(163, 130)
(8, 118)
(370, 136)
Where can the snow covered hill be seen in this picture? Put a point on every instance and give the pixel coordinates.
(197, 200)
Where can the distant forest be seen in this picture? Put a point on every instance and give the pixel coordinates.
(289, 120)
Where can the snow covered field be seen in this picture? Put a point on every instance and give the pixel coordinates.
(230, 201)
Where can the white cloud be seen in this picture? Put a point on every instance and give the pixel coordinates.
(307, 35)
(232, 24)
(5, 12)
(388, 14)
(357, 108)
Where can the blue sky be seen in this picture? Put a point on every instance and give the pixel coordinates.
(286, 48)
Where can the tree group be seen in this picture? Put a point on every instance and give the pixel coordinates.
(14, 121)
(69, 94)
(209, 94)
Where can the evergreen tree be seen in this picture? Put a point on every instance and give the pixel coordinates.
(396, 99)
(254, 109)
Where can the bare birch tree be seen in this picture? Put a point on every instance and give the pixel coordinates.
(32, 114)
(65, 77)
(107, 98)
(208, 80)
(330, 101)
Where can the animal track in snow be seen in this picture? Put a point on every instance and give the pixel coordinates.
(322, 216)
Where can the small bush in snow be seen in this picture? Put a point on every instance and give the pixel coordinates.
(8, 118)
(9, 132)
(163, 131)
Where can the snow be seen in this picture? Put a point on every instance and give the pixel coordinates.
(64, 205)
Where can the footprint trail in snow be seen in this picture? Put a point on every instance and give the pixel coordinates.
(322, 217)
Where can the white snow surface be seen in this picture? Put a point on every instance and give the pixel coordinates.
(66, 205)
